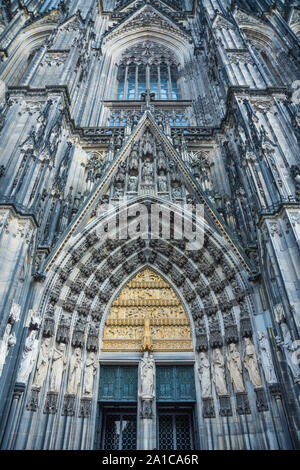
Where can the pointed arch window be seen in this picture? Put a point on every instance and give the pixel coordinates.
(148, 65)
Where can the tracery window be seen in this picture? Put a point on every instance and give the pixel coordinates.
(148, 65)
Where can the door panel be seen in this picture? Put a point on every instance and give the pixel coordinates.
(175, 431)
(119, 431)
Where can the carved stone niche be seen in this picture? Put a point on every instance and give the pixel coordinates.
(215, 340)
(91, 291)
(177, 278)
(246, 327)
(49, 325)
(92, 239)
(68, 408)
(208, 408)
(92, 340)
(188, 293)
(85, 407)
(84, 308)
(33, 401)
(225, 405)
(261, 400)
(242, 404)
(98, 255)
(102, 274)
(146, 409)
(70, 303)
(192, 273)
(54, 295)
(78, 336)
(51, 403)
(231, 334)
(77, 287)
(201, 343)
(275, 391)
(63, 331)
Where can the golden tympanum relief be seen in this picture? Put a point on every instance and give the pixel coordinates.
(147, 316)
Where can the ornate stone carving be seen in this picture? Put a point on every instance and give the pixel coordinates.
(266, 357)
(42, 364)
(74, 372)
(242, 404)
(28, 358)
(63, 331)
(68, 408)
(219, 372)
(261, 400)
(58, 366)
(204, 374)
(85, 407)
(89, 375)
(208, 408)
(51, 403)
(8, 341)
(250, 363)
(235, 368)
(225, 406)
(33, 401)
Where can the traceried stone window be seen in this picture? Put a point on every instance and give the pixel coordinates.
(148, 65)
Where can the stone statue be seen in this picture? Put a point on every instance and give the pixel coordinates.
(162, 183)
(58, 365)
(204, 373)
(279, 313)
(147, 376)
(75, 372)
(15, 313)
(147, 172)
(219, 373)
(132, 183)
(290, 350)
(147, 145)
(42, 365)
(8, 341)
(235, 368)
(250, 362)
(266, 357)
(90, 372)
(28, 358)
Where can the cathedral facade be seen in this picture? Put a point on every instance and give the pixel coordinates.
(112, 338)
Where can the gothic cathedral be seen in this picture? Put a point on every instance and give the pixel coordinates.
(118, 342)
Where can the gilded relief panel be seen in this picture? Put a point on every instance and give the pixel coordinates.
(147, 315)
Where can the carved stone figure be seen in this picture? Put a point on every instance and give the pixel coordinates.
(28, 358)
(15, 313)
(90, 372)
(8, 341)
(235, 368)
(58, 365)
(266, 357)
(162, 183)
(290, 351)
(147, 172)
(204, 373)
(147, 376)
(132, 183)
(219, 372)
(75, 372)
(42, 365)
(250, 362)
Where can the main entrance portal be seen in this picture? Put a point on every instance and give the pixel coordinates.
(147, 385)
